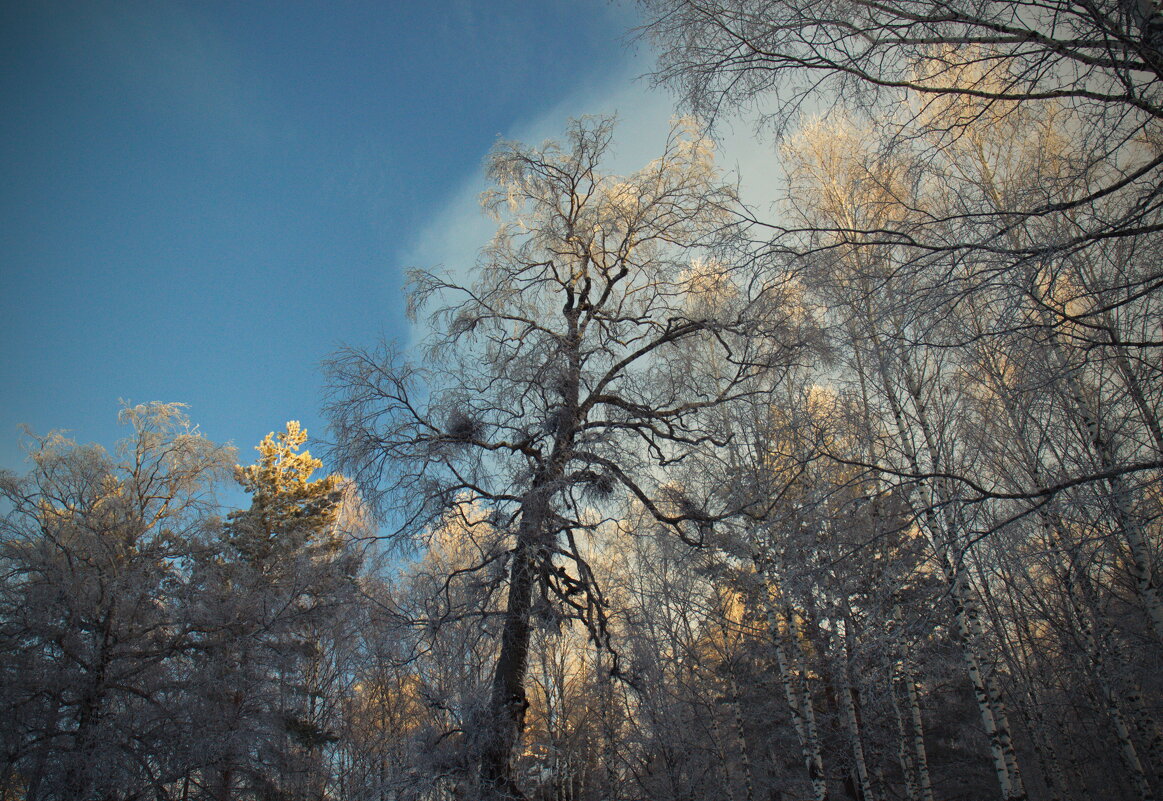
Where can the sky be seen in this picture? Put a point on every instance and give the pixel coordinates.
(200, 201)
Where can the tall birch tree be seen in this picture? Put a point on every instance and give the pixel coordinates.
(558, 381)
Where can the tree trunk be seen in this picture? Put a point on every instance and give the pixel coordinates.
(852, 721)
(797, 690)
(1107, 452)
(741, 734)
(904, 750)
(917, 730)
(942, 531)
(497, 734)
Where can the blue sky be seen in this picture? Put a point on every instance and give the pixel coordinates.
(199, 201)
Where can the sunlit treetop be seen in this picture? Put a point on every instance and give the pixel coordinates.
(286, 503)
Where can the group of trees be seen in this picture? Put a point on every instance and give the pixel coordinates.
(150, 648)
(978, 218)
(858, 497)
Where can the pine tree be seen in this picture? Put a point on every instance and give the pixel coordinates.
(275, 593)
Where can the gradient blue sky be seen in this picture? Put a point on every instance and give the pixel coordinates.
(200, 200)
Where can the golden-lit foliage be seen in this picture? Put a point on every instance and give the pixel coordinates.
(288, 510)
(280, 482)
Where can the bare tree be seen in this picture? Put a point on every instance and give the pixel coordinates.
(561, 382)
(931, 76)
(1100, 60)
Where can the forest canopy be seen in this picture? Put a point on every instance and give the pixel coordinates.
(857, 496)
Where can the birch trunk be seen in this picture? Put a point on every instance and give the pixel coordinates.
(920, 757)
(852, 721)
(717, 735)
(981, 671)
(1097, 643)
(904, 751)
(793, 677)
(966, 619)
(741, 734)
(499, 732)
(1106, 450)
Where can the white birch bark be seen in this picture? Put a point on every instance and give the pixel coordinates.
(1128, 522)
(969, 625)
(741, 734)
(904, 750)
(797, 691)
(1097, 641)
(920, 757)
(1106, 450)
(816, 761)
(966, 619)
(717, 734)
(852, 722)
